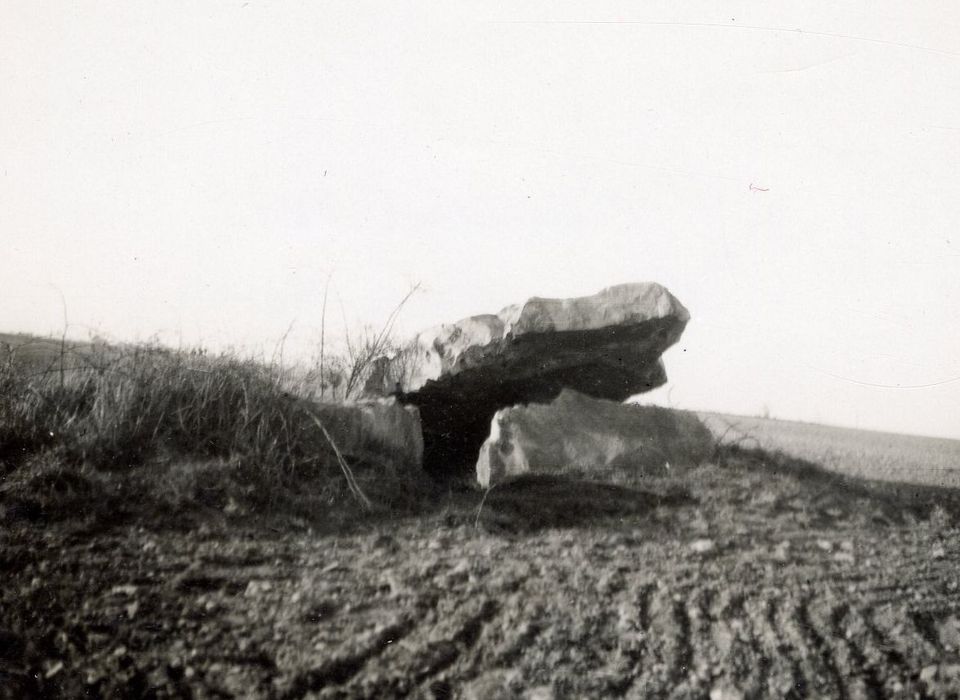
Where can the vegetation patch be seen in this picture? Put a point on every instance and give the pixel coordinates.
(127, 429)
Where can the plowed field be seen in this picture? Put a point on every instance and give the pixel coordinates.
(743, 580)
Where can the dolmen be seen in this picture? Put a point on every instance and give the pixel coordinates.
(605, 346)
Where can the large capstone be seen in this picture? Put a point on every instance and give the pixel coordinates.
(591, 437)
(607, 346)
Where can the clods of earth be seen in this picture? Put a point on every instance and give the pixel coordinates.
(727, 583)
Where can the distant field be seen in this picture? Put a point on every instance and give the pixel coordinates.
(863, 453)
(31, 345)
(39, 353)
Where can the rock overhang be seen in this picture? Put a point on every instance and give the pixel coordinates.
(607, 346)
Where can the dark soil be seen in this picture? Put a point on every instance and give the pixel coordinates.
(743, 580)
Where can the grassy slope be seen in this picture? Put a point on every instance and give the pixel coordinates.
(111, 430)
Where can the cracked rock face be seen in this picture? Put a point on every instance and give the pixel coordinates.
(576, 433)
(459, 375)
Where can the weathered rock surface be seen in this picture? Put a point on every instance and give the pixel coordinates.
(382, 432)
(579, 433)
(479, 341)
(607, 346)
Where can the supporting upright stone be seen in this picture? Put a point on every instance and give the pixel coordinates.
(578, 434)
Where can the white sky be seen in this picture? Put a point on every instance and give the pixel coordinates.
(196, 170)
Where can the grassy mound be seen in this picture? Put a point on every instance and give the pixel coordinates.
(139, 428)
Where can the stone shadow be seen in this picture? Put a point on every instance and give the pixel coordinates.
(536, 502)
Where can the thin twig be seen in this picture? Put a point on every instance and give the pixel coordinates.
(476, 522)
(363, 356)
(278, 351)
(391, 319)
(347, 472)
(323, 330)
(63, 336)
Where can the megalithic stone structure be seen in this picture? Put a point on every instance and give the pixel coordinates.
(459, 375)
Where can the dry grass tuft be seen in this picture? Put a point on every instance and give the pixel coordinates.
(135, 424)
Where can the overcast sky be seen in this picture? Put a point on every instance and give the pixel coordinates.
(196, 170)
